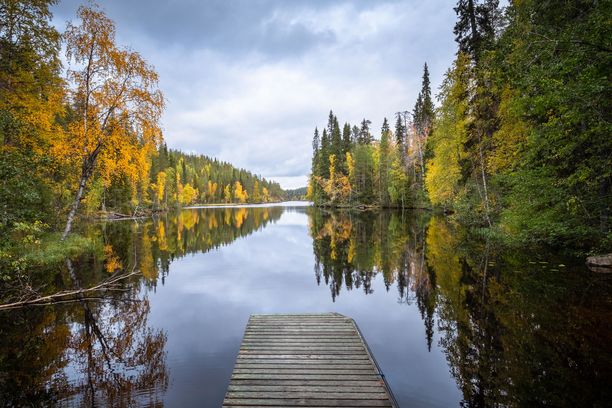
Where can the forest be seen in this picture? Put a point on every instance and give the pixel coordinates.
(518, 144)
(83, 137)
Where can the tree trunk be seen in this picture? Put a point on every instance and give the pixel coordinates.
(421, 164)
(474, 29)
(75, 206)
(86, 172)
(484, 184)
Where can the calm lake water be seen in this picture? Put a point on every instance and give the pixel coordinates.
(450, 319)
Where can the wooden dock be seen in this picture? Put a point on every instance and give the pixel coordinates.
(306, 360)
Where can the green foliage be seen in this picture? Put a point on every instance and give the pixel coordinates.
(449, 136)
(363, 180)
(564, 96)
(24, 195)
(192, 178)
(297, 194)
(365, 172)
(522, 136)
(32, 247)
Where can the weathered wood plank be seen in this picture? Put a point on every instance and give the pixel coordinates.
(267, 394)
(308, 348)
(305, 342)
(311, 383)
(281, 376)
(375, 387)
(303, 356)
(315, 353)
(306, 371)
(298, 402)
(306, 337)
(306, 360)
(332, 365)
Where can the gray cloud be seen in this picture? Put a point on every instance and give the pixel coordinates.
(231, 27)
(248, 80)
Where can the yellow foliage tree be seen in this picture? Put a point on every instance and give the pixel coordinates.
(117, 104)
(449, 136)
(212, 189)
(338, 187)
(240, 193)
(265, 195)
(309, 190)
(31, 92)
(350, 165)
(160, 186)
(511, 138)
(188, 194)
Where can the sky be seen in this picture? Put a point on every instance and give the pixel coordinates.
(247, 81)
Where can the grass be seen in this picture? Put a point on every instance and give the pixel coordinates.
(51, 250)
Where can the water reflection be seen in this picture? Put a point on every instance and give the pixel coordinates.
(515, 328)
(101, 351)
(155, 244)
(91, 353)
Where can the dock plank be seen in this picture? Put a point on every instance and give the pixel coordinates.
(306, 360)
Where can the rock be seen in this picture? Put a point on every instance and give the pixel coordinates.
(600, 263)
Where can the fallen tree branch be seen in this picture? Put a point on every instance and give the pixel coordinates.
(103, 286)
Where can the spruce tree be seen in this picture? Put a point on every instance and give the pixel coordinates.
(330, 123)
(324, 152)
(475, 27)
(346, 138)
(316, 146)
(355, 135)
(428, 107)
(384, 164)
(316, 158)
(364, 133)
(475, 34)
(400, 129)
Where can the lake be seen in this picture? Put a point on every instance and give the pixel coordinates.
(451, 319)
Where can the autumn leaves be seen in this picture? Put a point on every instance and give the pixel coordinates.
(116, 105)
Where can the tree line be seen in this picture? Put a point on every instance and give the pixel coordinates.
(351, 167)
(179, 179)
(519, 142)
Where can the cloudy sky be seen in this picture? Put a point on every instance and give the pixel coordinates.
(247, 81)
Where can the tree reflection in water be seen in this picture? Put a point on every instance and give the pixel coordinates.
(101, 351)
(517, 329)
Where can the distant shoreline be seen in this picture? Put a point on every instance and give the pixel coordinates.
(234, 205)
